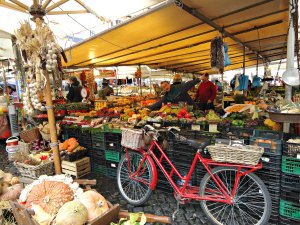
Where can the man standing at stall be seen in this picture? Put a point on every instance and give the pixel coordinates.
(206, 93)
(175, 93)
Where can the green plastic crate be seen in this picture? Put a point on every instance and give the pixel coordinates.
(112, 156)
(290, 165)
(290, 209)
(101, 169)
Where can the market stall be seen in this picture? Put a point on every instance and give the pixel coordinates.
(77, 139)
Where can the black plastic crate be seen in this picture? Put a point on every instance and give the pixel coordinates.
(290, 182)
(271, 161)
(111, 164)
(99, 154)
(99, 169)
(111, 172)
(290, 196)
(267, 175)
(112, 137)
(98, 145)
(72, 132)
(74, 156)
(287, 221)
(113, 145)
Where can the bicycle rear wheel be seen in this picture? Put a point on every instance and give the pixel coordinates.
(252, 202)
(134, 190)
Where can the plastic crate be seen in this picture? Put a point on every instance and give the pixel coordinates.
(241, 132)
(112, 137)
(98, 154)
(268, 176)
(290, 182)
(290, 165)
(290, 209)
(271, 162)
(74, 156)
(287, 221)
(112, 156)
(291, 150)
(113, 145)
(268, 135)
(270, 146)
(100, 169)
(98, 145)
(111, 164)
(97, 136)
(290, 196)
(111, 172)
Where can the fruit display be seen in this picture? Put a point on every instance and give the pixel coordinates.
(273, 125)
(236, 108)
(284, 106)
(100, 104)
(212, 117)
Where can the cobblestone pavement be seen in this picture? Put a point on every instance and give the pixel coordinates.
(160, 203)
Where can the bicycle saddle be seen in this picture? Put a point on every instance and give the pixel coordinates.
(199, 144)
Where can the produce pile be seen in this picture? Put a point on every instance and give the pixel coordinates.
(59, 200)
(10, 187)
(284, 106)
(40, 53)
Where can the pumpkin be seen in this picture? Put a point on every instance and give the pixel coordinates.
(71, 140)
(72, 213)
(40, 215)
(50, 195)
(7, 178)
(12, 192)
(94, 202)
(14, 180)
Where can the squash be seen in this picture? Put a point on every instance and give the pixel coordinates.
(12, 193)
(94, 202)
(50, 195)
(72, 146)
(40, 215)
(72, 213)
(7, 177)
(14, 180)
(71, 140)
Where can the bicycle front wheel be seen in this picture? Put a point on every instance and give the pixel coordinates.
(136, 189)
(251, 203)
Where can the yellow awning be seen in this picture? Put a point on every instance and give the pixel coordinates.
(177, 36)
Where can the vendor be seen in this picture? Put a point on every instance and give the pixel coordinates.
(106, 89)
(175, 93)
(206, 93)
(177, 79)
(74, 94)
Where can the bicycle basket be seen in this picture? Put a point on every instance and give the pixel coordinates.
(245, 154)
(132, 138)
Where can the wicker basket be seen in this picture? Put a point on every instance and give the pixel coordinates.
(35, 172)
(46, 135)
(132, 138)
(29, 135)
(25, 147)
(242, 154)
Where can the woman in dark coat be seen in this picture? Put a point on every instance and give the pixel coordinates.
(74, 94)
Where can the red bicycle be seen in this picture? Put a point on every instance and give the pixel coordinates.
(229, 193)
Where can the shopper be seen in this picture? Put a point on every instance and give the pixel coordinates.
(12, 93)
(175, 93)
(206, 93)
(74, 94)
(107, 90)
(218, 85)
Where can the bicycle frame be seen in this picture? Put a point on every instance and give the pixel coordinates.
(187, 191)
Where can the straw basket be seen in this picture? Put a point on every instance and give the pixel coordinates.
(46, 132)
(132, 138)
(29, 135)
(31, 171)
(241, 154)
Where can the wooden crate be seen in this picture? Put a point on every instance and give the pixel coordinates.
(78, 168)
